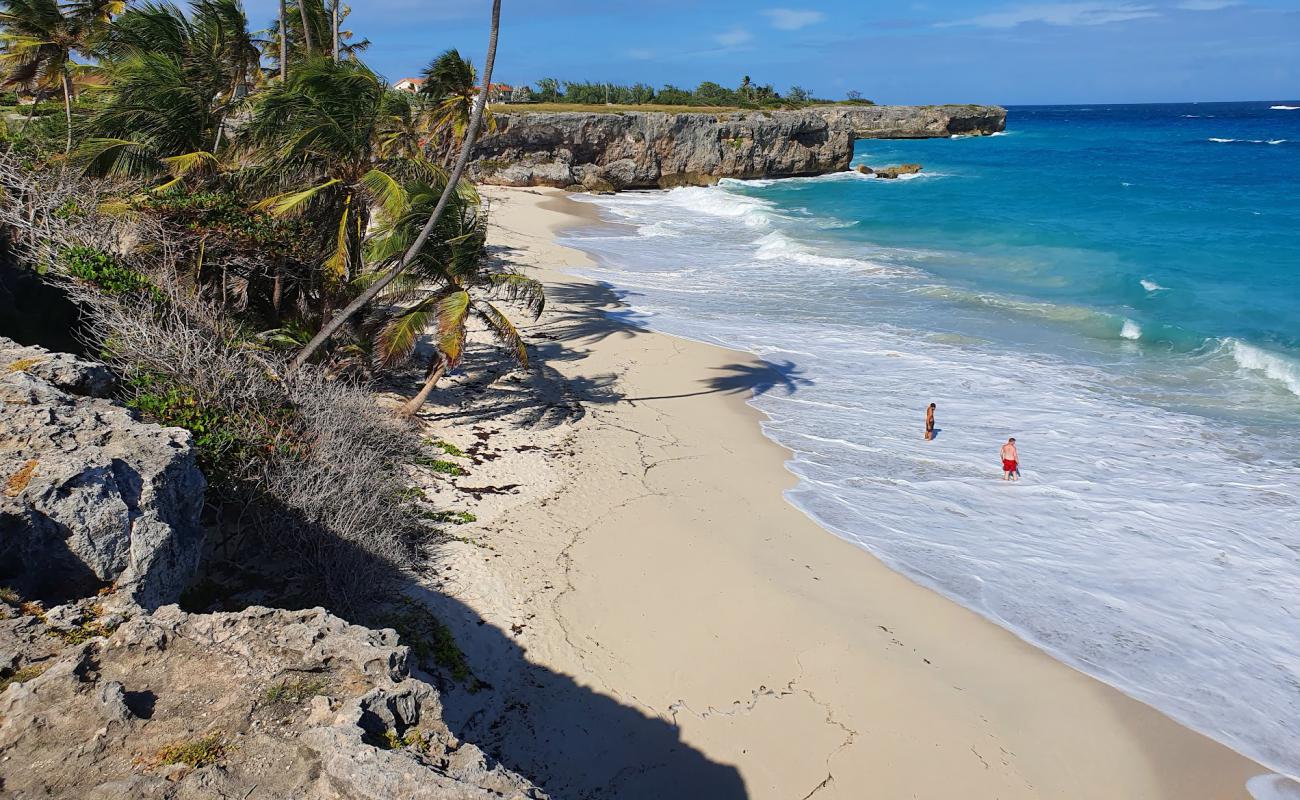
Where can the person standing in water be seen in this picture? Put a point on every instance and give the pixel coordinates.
(1010, 461)
(929, 423)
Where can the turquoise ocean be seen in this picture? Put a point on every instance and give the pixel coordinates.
(1118, 287)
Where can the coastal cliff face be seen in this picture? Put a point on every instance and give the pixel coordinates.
(916, 122)
(107, 690)
(647, 150)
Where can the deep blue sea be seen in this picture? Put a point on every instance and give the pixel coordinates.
(1118, 287)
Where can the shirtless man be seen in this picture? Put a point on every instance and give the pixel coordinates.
(929, 423)
(1010, 461)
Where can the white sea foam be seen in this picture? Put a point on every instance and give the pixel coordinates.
(1247, 141)
(1151, 286)
(1284, 108)
(1131, 330)
(655, 229)
(1155, 550)
(1276, 367)
(1273, 787)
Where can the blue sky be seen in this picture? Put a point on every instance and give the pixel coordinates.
(897, 52)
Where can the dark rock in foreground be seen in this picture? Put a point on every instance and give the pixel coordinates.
(257, 704)
(90, 496)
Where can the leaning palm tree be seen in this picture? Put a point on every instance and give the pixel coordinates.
(39, 38)
(173, 79)
(452, 185)
(317, 142)
(449, 83)
(451, 280)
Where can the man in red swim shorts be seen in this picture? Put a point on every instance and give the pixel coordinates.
(1010, 461)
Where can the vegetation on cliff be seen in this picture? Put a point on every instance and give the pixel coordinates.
(747, 94)
(256, 229)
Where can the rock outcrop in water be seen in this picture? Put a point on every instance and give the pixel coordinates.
(90, 496)
(603, 152)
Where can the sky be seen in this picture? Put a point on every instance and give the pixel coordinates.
(931, 51)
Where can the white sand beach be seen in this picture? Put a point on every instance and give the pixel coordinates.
(657, 621)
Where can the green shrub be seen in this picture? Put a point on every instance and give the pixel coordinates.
(431, 641)
(295, 691)
(106, 272)
(161, 401)
(21, 676)
(198, 753)
(441, 466)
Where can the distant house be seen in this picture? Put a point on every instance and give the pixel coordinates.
(409, 84)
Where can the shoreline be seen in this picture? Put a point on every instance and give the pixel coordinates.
(658, 562)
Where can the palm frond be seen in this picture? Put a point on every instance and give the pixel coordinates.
(516, 288)
(337, 263)
(387, 193)
(503, 329)
(289, 203)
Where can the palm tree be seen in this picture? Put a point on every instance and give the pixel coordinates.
(747, 88)
(549, 89)
(173, 81)
(450, 280)
(285, 40)
(449, 82)
(317, 140)
(452, 184)
(39, 38)
(284, 46)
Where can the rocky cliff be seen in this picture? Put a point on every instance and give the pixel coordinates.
(107, 692)
(916, 122)
(648, 150)
(90, 497)
(262, 703)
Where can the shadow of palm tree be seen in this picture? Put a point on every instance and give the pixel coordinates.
(739, 378)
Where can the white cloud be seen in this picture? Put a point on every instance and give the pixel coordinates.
(733, 37)
(792, 19)
(1064, 14)
(1207, 5)
(641, 54)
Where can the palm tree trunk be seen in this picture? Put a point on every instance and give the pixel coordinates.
(334, 26)
(453, 181)
(67, 109)
(416, 403)
(308, 42)
(284, 45)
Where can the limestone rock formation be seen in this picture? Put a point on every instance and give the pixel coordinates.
(889, 173)
(64, 371)
(646, 150)
(261, 703)
(89, 495)
(916, 122)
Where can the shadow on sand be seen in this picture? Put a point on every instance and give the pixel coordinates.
(573, 741)
(487, 388)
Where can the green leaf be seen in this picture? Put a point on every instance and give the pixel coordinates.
(282, 205)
